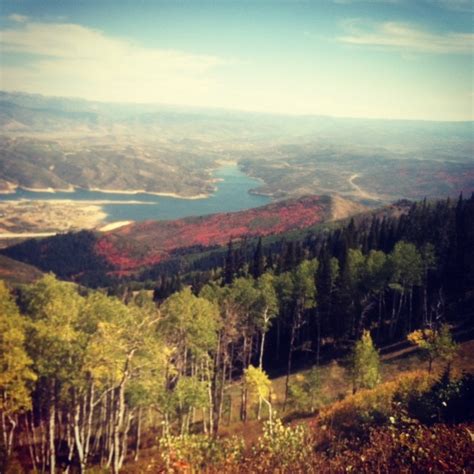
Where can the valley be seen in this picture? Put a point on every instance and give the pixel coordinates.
(45, 212)
(260, 245)
(68, 164)
(65, 144)
(266, 251)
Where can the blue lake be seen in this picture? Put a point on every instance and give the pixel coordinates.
(231, 195)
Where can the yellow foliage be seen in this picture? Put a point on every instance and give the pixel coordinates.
(422, 337)
(347, 412)
(15, 373)
(437, 344)
(258, 382)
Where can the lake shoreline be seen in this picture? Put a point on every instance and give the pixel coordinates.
(25, 235)
(14, 190)
(28, 219)
(150, 193)
(95, 202)
(233, 192)
(114, 225)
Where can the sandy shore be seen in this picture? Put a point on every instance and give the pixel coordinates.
(177, 196)
(42, 218)
(25, 235)
(12, 189)
(114, 225)
(84, 202)
(71, 189)
(142, 191)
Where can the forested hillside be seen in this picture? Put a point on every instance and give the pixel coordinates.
(87, 376)
(168, 247)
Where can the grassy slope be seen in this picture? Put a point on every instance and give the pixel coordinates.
(15, 272)
(335, 382)
(335, 386)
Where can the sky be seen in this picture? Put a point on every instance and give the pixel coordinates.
(396, 59)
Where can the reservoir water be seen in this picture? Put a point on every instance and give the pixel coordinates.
(231, 195)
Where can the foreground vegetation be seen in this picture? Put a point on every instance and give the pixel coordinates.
(94, 376)
(88, 379)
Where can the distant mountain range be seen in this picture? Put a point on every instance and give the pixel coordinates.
(38, 113)
(59, 143)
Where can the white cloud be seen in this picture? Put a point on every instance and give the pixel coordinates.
(17, 18)
(73, 60)
(407, 38)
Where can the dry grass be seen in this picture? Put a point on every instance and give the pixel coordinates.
(336, 384)
(335, 391)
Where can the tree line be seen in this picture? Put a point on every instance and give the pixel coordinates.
(387, 274)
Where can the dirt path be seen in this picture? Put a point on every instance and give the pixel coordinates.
(359, 192)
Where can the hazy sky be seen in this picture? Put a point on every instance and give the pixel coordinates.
(381, 58)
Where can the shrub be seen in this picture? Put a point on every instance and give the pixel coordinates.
(281, 447)
(411, 448)
(304, 392)
(199, 452)
(447, 401)
(435, 344)
(375, 406)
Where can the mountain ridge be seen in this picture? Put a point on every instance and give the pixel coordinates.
(124, 247)
(136, 246)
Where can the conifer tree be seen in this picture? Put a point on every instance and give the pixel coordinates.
(229, 265)
(258, 266)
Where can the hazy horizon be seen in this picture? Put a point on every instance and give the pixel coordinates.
(379, 59)
(217, 109)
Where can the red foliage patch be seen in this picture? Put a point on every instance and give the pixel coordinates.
(147, 243)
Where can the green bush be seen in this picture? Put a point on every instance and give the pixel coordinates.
(304, 392)
(282, 447)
